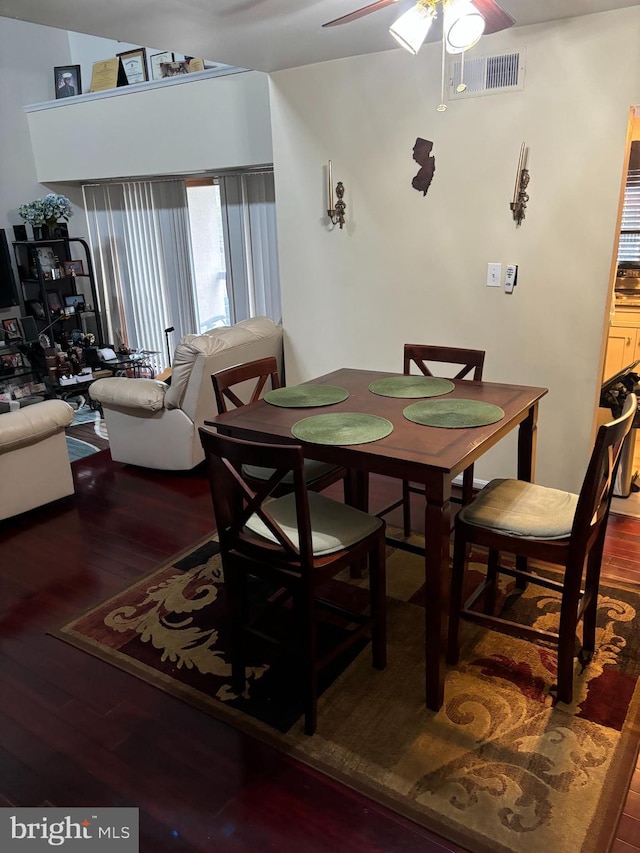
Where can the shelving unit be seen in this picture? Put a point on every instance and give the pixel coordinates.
(44, 286)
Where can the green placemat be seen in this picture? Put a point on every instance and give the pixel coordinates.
(342, 428)
(454, 414)
(299, 396)
(411, 386)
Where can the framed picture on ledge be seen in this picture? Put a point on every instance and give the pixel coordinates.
(135, 65)
(67, 81)
(155, 61)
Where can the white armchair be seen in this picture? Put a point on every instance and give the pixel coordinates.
(34, 462)
(155, 425)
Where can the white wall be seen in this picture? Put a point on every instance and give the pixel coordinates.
(28, 54)
(192, 126)
(409, 268)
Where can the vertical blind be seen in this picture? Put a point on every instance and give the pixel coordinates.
(249, 221)
(139, 237)
(629, 245)
(141, 245)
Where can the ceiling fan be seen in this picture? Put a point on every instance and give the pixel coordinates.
(495, 17)
(464, 22)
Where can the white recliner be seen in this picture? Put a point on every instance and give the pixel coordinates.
(34, 462)
(155, 425)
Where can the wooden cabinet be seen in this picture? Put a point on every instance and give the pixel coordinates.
(623, 344)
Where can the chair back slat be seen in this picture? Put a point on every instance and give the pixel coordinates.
(472, 360)
(235, 500)
(597, 488)
(224, 381)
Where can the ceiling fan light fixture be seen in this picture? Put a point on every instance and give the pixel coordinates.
(463, 26)
(411, 29)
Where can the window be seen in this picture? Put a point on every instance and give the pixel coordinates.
(629, 245)
(189, 255)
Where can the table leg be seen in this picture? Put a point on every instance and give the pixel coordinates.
(527, 439)
(356, 493)
(437, 587)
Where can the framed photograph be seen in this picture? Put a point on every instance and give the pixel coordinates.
(67, 81)
(12, 328)
(35, 309)
(55, 303)
(155, 60)
(73, 267)
(135, 65)
(174, 69)
(10, 361)
(76, 303)
(20, 233)
(47, 259)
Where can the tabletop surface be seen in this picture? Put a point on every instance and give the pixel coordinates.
(412, 445)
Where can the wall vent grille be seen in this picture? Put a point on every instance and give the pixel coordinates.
(487, 75)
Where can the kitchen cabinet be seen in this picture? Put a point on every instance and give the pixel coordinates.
(623, 347)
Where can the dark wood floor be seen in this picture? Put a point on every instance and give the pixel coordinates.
(74, 731)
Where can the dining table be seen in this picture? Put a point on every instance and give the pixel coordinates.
(428, 455)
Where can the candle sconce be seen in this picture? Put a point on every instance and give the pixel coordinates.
(520, 196)
(335, 212)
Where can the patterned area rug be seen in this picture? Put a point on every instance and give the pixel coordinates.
(499, 768)
(87, 434)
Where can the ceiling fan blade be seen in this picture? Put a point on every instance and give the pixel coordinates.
(360, 13)
(495, 17)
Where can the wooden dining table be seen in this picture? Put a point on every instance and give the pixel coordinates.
(431, 456)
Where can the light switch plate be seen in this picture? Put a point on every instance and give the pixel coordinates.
(494, 275)
(510, 278)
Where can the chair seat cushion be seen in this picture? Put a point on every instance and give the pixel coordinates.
(334, 525)
(522, 509)
(313, 470)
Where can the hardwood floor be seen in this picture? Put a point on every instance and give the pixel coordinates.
(75, 731)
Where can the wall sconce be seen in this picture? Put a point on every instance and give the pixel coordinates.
(520, 197)
(335, 212)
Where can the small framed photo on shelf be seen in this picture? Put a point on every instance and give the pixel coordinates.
(47, 259)
(73, 267)
(35, 309)
(55, 303)
(12, 328)
(155, 60)
(67, 81)
(135, 65)
(11, 361)
(174, 69)
(20, 233)
(75, 303)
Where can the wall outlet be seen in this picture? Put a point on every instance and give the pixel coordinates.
(510, 278)
(494, 275)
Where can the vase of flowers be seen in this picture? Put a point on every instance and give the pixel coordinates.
(46, 213)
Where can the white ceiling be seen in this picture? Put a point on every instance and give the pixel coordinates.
(266, 35)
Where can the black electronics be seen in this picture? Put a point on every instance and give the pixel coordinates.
(29, 328)
(8, 292)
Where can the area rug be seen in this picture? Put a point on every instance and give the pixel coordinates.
(499, 768)
(87, 433)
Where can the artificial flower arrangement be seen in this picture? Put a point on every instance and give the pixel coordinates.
(46, 211)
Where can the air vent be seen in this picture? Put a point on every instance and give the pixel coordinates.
(486, 75)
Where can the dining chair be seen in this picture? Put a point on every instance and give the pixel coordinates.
(259, 375)
(297, 542)
(548, 525)
(467, 360)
